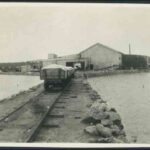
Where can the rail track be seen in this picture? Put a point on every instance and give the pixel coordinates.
(24, 123)
(47, 116)
(5, 117)
(32, 135)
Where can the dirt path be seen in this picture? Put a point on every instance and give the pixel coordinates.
(71, 128)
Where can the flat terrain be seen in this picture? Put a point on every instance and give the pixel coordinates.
(57, 116)
(72, 105)
(70, 129)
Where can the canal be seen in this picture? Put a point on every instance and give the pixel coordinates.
(13, 84)
(130, 95)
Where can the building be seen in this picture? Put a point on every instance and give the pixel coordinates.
(100, 56)
(25, 68)
(11, 67)
(52, 56)
(135, 61)
(96, 57)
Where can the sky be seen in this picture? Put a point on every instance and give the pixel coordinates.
(31, 31)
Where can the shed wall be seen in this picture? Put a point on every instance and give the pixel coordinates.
(102, 57)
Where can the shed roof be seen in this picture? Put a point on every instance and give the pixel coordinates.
(101, 45)
(55, 66)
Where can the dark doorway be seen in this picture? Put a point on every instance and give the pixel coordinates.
(70, 64)
(91, 66)
(82, 65)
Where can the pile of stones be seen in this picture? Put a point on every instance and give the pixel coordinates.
(103, 123)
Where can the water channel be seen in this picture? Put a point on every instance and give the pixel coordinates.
(13, 84)
(130, 95)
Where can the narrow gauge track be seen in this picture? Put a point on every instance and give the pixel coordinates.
(19, 107)
(35, 130)
(23, 124)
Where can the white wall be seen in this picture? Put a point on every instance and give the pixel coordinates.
(98, 55)
(48, 62)
(102, 56)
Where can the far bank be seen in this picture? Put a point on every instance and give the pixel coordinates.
(93, 73)
(21, 73)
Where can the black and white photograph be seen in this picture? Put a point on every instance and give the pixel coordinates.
(74, 73)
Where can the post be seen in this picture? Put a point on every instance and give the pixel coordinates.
(129, 49)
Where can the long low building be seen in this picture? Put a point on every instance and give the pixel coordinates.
(95, 57)
(135, 61)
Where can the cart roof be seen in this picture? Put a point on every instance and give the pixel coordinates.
(55, 66)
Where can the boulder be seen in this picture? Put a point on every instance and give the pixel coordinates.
(92, 140)
(99, 115)
(102, 101)
(110, 109)
(114, 116)
(91, 130)
(123, 138)
(103, 106)
(115, 130)
(89, 105)
(103, 131)
(122, 132)
(109, 140)
(115, 140)
(105, 140)
(106, 132)
(113, 110)
(99, 127)
(97, 111)
(100, 106)
(90, 120)
(94, 92)
(106, 122)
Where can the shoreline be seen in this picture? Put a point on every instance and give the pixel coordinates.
(21, 93)
(110, 127)
(21, 73)
(91, 74)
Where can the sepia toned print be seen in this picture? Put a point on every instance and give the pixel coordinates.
(74, 73)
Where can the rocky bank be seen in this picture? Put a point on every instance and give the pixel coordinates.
(103, 122)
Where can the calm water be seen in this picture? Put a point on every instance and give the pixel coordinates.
(11, 84)
(130, 95)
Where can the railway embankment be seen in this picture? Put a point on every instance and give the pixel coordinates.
(7, 105)
(80, 115)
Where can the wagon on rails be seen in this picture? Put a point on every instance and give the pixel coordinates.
(56, 75)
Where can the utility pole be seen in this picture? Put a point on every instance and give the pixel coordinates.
(129, 49)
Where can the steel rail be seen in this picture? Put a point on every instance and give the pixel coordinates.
(35, 129)
(20, 107)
